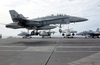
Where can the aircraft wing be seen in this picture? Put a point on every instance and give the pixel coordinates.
(46, 27)
(94, 33)
(24, 34)
(83, 33)
(69, 30)
(53, 32)
(73, 31)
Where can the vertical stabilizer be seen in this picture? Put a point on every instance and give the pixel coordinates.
(15, 15)
(97, 30)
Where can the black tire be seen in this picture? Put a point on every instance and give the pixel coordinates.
(32, 33)
(42, 36)
(63, 34)
(73, 34)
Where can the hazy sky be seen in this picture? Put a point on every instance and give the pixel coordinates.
(89, 9)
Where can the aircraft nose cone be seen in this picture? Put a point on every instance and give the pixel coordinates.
(77, 19)
(86, 19)
(83, 19)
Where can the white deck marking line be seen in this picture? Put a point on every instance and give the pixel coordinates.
(77, 51)
(78, 47)
(58, 46)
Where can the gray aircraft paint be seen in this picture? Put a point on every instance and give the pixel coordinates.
(39, 23)
(90, 33)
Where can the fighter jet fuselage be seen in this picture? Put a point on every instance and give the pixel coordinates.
(19, 21)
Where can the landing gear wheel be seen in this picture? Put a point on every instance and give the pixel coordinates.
(42, 36)
(48, 34)
(73, 34)
(63, 34)
(37, 33)
(32, 33)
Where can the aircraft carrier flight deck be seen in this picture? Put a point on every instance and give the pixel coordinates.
(50, 51)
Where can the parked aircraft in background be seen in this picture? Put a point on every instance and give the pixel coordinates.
(44, 33)
(25, 35)
(90, 33)
(41, 33)
(68, 33)
(42, 23)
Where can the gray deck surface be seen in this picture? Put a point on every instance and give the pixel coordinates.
(49, 51)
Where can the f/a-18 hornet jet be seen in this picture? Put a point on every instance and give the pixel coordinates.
(42, 23)
(90, 33)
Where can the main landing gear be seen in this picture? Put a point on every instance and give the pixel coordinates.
(34, 32)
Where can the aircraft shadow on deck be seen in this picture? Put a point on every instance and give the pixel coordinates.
(38, 43)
